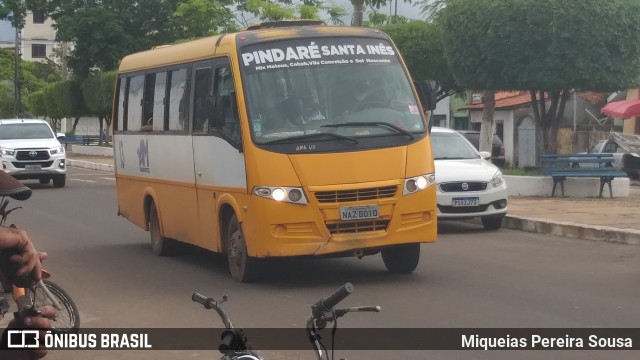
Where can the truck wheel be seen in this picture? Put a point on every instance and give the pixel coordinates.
(59, 181)
(401, 259)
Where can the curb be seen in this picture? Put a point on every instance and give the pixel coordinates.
(572, 230)
(534, 225)
(91, 165)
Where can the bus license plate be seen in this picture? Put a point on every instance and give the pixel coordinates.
(33, 167)
(465, 201)
(359, 212)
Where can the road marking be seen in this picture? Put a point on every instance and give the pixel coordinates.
(108, 178)
(84, 180)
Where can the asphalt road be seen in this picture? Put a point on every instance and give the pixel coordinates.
(468, 279)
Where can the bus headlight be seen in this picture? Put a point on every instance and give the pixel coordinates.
(418, 183)
(294, 195)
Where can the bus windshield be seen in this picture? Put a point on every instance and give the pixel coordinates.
(345, 87)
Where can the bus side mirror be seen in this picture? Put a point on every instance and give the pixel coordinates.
(426, 94)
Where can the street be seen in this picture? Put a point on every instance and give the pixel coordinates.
(468, 279)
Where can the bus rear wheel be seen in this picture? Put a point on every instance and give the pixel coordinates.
(160, 245)
(401, 259)
(241, 266)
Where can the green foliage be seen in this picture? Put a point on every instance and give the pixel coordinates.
(267, 10)
(6, 99)
(36, 103)
(199, 18)
(97, 92)
(421, 46)
(544, 44)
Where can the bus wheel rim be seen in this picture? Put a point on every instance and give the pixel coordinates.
(236, 251)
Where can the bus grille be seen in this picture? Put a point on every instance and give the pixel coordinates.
(357, 226)
(457, 186)
(355, 194)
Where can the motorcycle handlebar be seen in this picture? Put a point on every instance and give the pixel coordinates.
(328, 303)
(207, 302)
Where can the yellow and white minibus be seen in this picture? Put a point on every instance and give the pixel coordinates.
(286, 139)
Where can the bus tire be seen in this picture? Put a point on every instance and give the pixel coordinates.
(241, 266)
(160, 245)
(401, 259)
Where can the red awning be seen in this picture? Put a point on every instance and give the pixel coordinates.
(622, 109)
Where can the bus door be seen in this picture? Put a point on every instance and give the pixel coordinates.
(217, 147)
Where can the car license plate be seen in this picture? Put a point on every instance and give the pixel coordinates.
(465, 201)
(359, 212)
(33, 167)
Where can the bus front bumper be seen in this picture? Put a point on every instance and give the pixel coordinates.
(276, 229)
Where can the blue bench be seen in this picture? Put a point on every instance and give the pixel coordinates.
(558, 166)
(81, 139)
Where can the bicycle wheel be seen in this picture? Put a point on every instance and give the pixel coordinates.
(67, 319)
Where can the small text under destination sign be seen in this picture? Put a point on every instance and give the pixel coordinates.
(359, 212)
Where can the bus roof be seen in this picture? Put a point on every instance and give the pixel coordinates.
(205, 48)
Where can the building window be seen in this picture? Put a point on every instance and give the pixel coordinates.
(38, 51)
(38, 17)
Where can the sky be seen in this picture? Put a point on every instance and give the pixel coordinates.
(6, 31)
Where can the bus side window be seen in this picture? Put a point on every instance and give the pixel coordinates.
(203, 102)
(134, 101)
(148, 102)
(226, 111)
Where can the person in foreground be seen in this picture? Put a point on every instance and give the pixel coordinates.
(30, 262)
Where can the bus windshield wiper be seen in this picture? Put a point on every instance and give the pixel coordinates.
(311, 136)
(373, 123)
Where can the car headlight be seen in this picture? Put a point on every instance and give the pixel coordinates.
(417, 183)
(497, 179)
(57, 150)
(8, 152)
(293, 195)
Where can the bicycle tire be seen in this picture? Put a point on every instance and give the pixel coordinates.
(67, 319)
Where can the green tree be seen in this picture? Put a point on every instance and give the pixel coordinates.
(36, 103)
(545, 47)
(199, 18)
(97, 91)
(421, 46)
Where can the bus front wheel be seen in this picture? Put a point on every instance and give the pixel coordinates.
(241, 266)
(160, 245)
(401, 259)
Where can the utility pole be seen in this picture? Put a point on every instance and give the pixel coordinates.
(17, 104)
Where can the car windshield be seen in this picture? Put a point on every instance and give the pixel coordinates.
(346, 91)
(451, 146)
(25, 131)
(596, 148)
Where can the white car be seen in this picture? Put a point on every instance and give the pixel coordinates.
(30, 150)
(468, 184)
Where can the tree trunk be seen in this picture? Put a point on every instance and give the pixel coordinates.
(75, 124)
(548, 121)
(486, 129)
(101, 120)
(358, 12)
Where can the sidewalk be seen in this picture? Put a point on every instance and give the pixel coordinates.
(601, 219)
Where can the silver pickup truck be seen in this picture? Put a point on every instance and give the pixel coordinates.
(625, 149)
